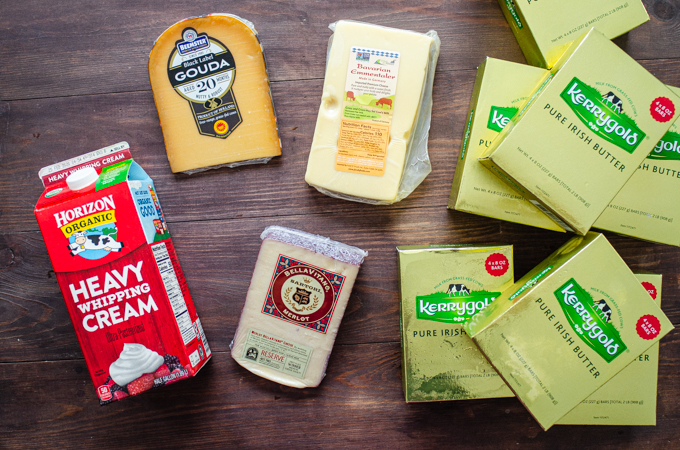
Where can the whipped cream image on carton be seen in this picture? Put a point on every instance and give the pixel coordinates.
(586, 129)
(630, 397)
(118, 271)
(568, 326)
(501, 89)
(441, 287)
(648, 205)
(544, 29)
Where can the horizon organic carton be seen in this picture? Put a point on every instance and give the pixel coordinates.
(647, 207)
(630, 397)
(442, 286)
(118, 271)
(568, 326)
(544, 29)
(587, 128)
(501, 89)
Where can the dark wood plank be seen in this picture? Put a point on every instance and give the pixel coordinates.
(109, 51)
(358, 405)
(55, 53)
(218, 257)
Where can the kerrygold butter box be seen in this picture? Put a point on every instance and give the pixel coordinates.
(648, 205)
(585, 131)
(630, 397)
(500, 89)
(441, 287)
(545, 28)
(568, 326)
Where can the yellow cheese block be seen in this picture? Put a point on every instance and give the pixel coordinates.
(297, 297)
(212, 94)
(414, 55)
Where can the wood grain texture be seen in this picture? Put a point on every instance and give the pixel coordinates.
(225, 406)
(73, 78)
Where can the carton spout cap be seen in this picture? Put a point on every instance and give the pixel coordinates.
(82, 178)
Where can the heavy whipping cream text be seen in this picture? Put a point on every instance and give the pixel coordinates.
(108, 292)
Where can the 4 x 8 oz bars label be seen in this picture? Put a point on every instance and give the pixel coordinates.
(303, 294)
(277, 353)
(602, 116)
(590, 320)
(367, 111)
(202, 70)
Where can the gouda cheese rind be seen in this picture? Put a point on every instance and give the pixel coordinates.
(255, 139)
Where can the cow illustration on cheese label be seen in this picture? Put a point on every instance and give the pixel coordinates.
(367, 109)
(457, 305)
(202, 70)
(303, 294)
(590, 319)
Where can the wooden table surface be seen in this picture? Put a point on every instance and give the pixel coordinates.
(73, 78)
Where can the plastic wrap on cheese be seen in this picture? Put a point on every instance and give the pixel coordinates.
(370, 141)
(294, 306)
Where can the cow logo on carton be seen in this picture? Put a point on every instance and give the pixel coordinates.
(90, 229)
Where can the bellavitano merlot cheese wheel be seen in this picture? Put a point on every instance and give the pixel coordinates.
(211, 88)
(294, 306)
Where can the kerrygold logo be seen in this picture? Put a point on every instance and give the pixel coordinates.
(448, 308)
(500, 117)
(601, 116)
(667, 148)
(590, 326)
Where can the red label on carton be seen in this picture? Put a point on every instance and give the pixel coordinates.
(120, 277)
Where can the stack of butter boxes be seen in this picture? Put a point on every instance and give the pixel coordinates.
(555, 148)
(584, 137)
(575, 339)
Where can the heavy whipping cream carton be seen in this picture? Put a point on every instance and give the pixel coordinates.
(568, 326)
(116, 266)
(501, 89)
(630, 397)
(442, 286)
(544, 29)
(586, 129)
(647, 207)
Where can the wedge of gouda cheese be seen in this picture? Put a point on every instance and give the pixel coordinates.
(294, 306)
(211, 89)
(390, 55)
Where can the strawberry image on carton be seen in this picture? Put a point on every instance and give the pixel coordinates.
(117, 269)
